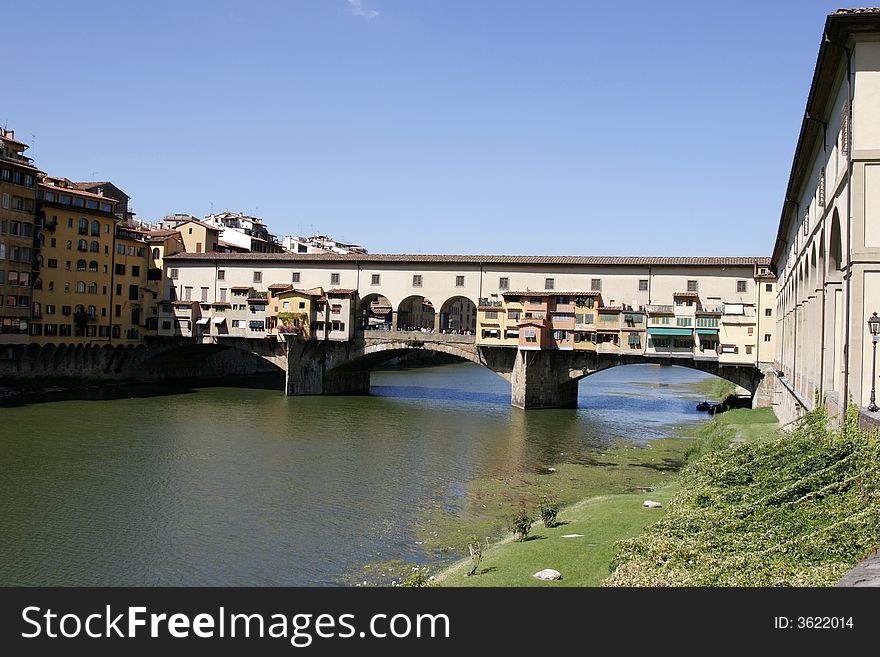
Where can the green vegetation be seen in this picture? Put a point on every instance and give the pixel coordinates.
(714, 388)
(603, 520)
(796, 510)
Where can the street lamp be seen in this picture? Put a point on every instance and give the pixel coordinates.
(874, 326)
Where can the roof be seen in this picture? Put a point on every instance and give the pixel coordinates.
(162, 233)
(550, 293)
(839, 26)
(341, 291)
(240, 287)
(611, 308)
(198, 223)
(689, 293)
(287, 256)
(279, 286)
(76, 191)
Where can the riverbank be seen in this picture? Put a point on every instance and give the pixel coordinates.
(584, 542)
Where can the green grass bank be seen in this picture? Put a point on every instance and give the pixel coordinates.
(601, 521)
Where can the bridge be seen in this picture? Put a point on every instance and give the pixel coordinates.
(539, 379)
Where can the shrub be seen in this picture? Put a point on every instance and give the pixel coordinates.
(549, 509)
(420, 576)
(521, 524)
(475, 550)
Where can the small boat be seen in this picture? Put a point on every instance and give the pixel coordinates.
(704, 406)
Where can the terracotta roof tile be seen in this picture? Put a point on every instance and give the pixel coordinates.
(481, 259)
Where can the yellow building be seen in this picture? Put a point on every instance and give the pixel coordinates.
(160, 243)
(18, 179)
(130, 294)
(72, 300)
(291, 312)
(198, 237)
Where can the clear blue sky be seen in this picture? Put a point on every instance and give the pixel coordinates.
(432, 126)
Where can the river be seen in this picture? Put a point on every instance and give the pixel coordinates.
(178, 485)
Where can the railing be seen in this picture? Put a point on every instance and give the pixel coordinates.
(658, 308)
(490, 303)
(429, 336)
(709, 309)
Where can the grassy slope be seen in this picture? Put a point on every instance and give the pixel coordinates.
(796, 510)
(603, 520)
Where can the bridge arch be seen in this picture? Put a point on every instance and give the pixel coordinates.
(416, 312)
(458, 314)
(374, 311)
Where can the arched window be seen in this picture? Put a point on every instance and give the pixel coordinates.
(38, 309)
(79, 310)
(80, 287)
(96, 227)
(93, 288)
(80, 265)
(92, 311)
(115, 331)
(94, 247)
(93, 265)
(156, 254)
(82, 246)
(83, 226)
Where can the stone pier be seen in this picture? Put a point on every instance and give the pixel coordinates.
(537, 381)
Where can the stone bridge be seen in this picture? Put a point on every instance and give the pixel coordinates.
(539, 379)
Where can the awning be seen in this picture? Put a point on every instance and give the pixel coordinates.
(491, 331)
(707, 331)
(219, 320)
(203, 321)
(670, 331)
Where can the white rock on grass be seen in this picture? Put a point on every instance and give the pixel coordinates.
(651, 504)
(572, 536)
(548, 574)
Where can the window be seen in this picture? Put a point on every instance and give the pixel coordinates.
(513, 314)
(172, 273)
(751, 330)
(417, 280)
(155, 254)
(93, 265)
(50, 309)
(662, 343)
(643, 285)
(334, 279)
(768, 312)
(741, 286)
(491, 314)
(81, 245)
(96, 228)
(767, 337)
(769, 287)
(187, 293)
(83, 227)
(295, 277)
(503, 283)
(682, 343)
(80, 287)
(222, 294)
(748, 348)
(135, 270)
(374, 279)
(204, 291)
(692, 286)
(549, 283)
(198, 247)
(80, 265)
(120, 270)
(119, 289)
(459, 281)
(5, 201)
(258, 277)
(596, 284)
(93, 288)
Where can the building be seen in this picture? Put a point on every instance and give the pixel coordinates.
(197, 236)
(19, 244)
(132, 297)
(160, 243)
(827, 251)
(714, 308)
(319, 244)
(241, 231)
(109, 190)
(73, 297)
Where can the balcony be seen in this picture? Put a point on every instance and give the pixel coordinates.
(489, 303)
(659, 309)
